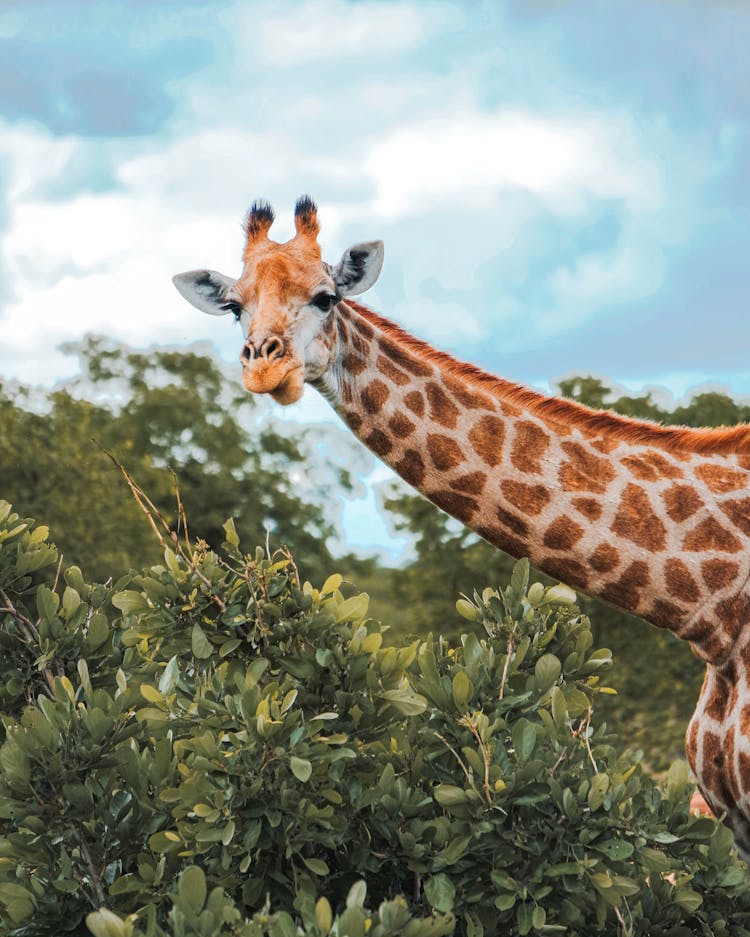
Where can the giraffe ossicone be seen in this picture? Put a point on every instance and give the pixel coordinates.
(655, 520)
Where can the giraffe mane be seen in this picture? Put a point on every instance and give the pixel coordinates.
(719, 440)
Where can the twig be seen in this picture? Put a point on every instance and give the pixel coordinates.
(587, 727)
(182, 516)
(95, 880)
(467, 721)
(27, 626)
(504, 677)
(153, 515)
(465, 770)
(57, 573)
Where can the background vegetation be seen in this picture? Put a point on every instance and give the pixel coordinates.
(212, 747)
(163, 412)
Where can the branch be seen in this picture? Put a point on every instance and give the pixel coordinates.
(156, 520)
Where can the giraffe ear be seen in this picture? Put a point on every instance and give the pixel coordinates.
(359, 268)
(206, 290)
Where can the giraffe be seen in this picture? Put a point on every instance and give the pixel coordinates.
(653, 519)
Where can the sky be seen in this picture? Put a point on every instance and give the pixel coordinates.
(562, 187)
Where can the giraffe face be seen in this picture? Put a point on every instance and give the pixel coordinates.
(285, 300)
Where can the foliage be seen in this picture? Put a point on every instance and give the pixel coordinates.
(209, 747)
(155, 411)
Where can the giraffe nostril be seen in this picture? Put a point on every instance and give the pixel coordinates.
(247, 352)
(273, 347)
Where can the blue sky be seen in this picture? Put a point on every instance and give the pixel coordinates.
(562, 187)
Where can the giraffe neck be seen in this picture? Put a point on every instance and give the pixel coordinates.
(642, 516)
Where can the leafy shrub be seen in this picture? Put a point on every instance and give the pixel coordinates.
(210, 747)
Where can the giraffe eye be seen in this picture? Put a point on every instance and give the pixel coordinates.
(234, 308)
(324, 301)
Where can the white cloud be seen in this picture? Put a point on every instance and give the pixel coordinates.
(562, 161)
(331, 30)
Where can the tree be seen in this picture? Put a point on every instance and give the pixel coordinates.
(160, 412)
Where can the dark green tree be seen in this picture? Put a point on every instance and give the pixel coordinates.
(169, 417)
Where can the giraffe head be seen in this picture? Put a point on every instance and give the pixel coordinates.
(285, 300)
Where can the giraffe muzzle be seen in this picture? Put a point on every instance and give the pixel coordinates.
(269, 368)
(271, 348)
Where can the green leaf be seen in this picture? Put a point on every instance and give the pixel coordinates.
(323, 915)
(301, 768)
(598, 791)
(356, 895)
(547, 670)
(466, 610)
(199, 643)
(192, 887)
(331, 585)
(169, 677)
(130, 602)
(440, 892)
(353, 609)
(463, 690)
(105, 923)
(519, 578)
(448, 795)
(317, 866)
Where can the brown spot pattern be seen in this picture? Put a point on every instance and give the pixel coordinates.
(512, 522)
(604, 558)
(415, 402)
(374, 396)
(710, 535)
(738, 513)
(404, 360)
(500, 538)
(734, 613)
(529, 445)
(721, 479)
(625, 591)
(682, 502)
(528, 499)
(411, 467)
(378, 442)
(666, 614)
(566, 570)
(473, 483)
(471, 399)
(400, 425)
(640, 468)
(442, 408)
(458, 505)
(605, 444)
(718, 574)
(636, 521)
(680, 583)
(584, 471)
(486, 438)
(562, 534)
(389, 370)
(444, 451)
(745, 721)
(663, 467)
(589, 507)
(359, 344)
(354, 364)
(363, 327)
(691, 745)
(717, 705)
(510, 409)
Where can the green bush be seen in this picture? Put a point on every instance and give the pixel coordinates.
(210, 747)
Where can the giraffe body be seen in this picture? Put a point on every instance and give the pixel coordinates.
(654, 520)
